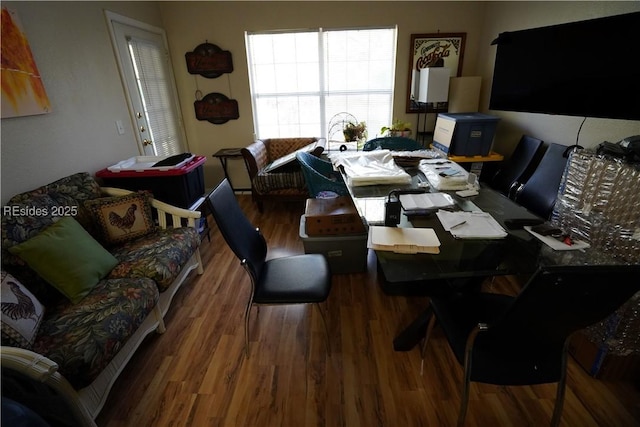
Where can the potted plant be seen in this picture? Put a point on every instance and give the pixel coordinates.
(397, 128)
(355, 131)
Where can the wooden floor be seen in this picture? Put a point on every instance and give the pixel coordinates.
(196, 373)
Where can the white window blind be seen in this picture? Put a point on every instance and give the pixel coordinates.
(153, 85)
(300, 80)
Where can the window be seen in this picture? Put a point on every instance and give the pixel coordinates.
(300, 80)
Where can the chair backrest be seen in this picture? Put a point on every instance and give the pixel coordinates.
(246, 242)
(519, 166)
(320, 176)
(396, 143)
(526, 343)
(560, 300)
(540, 191)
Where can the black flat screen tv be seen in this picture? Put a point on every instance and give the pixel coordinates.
(586, 68)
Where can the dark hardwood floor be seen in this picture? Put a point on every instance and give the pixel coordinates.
(196, 373)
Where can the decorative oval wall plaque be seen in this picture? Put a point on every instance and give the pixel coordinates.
(216, 108)
(209, 61)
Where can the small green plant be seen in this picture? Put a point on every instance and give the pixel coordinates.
(355, 131)
(397, 126)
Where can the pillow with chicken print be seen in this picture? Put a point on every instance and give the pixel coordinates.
(123, 218)
(21, 313)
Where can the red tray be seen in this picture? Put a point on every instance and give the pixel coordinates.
(134, 173)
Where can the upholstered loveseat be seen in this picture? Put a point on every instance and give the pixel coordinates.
(88, 272)
(286, 182)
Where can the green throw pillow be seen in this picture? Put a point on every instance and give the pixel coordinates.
(67, 257)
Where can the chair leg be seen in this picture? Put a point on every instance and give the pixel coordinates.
(561, 387)
(326, 329)
(464, 403)
(466, 384)
(247, 313)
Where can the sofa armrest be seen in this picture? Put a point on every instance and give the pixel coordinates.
(255, 157)
(321, 144)
(166, 212)
(40, 369)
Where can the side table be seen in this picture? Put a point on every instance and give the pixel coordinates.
(224, 155)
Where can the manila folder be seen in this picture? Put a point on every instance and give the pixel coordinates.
(404, 240)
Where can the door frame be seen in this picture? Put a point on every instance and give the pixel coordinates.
(112, 17)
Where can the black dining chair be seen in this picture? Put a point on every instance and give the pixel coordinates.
(517, 169)
(540, 191)
(523, 340)
(296, 279)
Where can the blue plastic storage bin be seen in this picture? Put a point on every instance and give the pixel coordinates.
(465, 134)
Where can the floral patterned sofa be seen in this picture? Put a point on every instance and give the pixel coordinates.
(286, 182)
(87, 273)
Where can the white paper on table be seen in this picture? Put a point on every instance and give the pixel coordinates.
(403, 240)
(471, 225)
(557, 245)
(424, 201)
(432, 169)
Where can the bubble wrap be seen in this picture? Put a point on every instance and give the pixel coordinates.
(599, 202)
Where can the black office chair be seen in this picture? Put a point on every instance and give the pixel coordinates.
(294, 279)
(540, 191)
(523, 340)
(518, 168)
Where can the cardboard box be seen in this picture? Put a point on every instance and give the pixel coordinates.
(345, 254)
(465, 134)
(332, 217)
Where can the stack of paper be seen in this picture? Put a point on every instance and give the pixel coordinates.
(425, 201)
(403, 240)
(445, 176)
(471, 225)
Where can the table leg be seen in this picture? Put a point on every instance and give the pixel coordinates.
(410, 336)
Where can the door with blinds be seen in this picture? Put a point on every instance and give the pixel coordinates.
(143, 60)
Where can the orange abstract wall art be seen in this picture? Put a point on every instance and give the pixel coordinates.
(23, 92)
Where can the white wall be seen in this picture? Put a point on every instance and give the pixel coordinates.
(71, 45)
(511, 16)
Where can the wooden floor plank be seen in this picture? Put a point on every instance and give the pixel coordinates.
(196, 373)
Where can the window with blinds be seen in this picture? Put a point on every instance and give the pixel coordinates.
(301, 79)
(154, 88)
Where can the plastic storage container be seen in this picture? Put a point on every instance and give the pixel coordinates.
(181, 185)
(346, 254)
(465, 134)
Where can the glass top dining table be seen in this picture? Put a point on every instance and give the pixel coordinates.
(462, 261)
(462, 264)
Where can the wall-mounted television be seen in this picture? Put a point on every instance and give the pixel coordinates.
(586, 68)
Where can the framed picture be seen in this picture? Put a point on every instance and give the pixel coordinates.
(440, 49)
